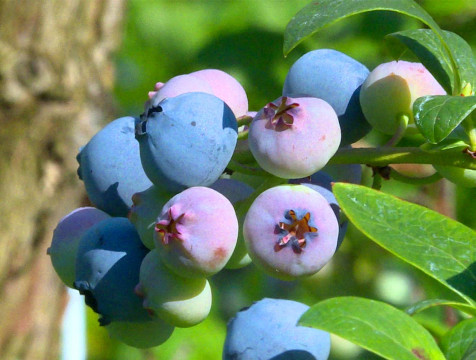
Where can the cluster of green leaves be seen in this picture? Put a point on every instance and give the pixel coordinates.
(442, 248)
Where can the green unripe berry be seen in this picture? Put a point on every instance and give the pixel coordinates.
(388, 94)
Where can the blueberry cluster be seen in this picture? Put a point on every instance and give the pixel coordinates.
(171, 207)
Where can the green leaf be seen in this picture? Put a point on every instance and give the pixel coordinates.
(426, 45)
(320, 14)
(457, 341)
(454, 145)
(470, 354)
(429, 50)
(437, 116)
(375, 326)
(464, 58)
(439, 246)
(429, 303)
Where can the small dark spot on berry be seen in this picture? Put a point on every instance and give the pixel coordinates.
(193, 123)
(154, 109)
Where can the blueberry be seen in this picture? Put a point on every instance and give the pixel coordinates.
(188, 141)
(177, 85)
(196, 232)
(321, 182)
(233, 190)
(111, 169)
(66, 237)
(390, 90)
(335, 78)
(268, 330)
(210, 81)
(179, 301)
(290, 231)
(107, 269)
(140, 335)
(227, 88)
(146, 206)
(459, 176)
(329, 196)
(294, 137)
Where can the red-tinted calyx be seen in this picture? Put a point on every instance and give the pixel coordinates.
(295, 232)
(167, 229)
(279, 117)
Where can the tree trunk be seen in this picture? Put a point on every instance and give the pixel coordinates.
(56, 74)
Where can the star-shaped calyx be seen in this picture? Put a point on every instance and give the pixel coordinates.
(167, 228)
(279, 117)
(294, 234)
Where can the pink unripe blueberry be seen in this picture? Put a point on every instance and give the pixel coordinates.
(177, 300)
(227, 88)
(65, 242)
(210, 81)
(179, 85)
(196, 232)
(294, 137)
(290, 231)
(390, 90)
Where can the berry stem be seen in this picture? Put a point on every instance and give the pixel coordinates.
(242, 135)
(244, 120)
(383, 156)
(402, 126)
(469, 125)
(245, 169)
(377, 181)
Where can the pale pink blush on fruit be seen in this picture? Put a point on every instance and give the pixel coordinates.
(196, 232)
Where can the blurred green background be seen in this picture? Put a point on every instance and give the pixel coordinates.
(166, 38)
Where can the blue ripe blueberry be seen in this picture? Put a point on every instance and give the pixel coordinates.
(294, 137)
(186, 140)
(141, 335)
(179, 301)
(336, 78)
(107, 269)
(290, 231)
(268, 330)
(66, 237)
(146, 206)
(235, 191)
(196, 232)
(110, 167)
